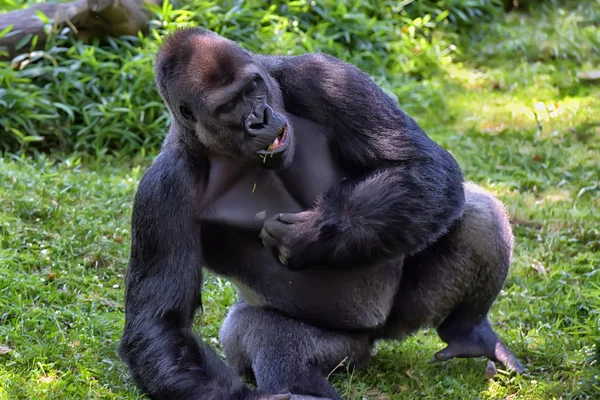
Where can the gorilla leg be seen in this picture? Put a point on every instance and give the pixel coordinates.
(452, 284)
(287, 355)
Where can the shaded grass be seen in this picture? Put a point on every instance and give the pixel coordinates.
(521, 125)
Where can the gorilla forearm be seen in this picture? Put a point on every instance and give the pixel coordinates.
(393, 212)
(164, 281)
(169, 363)
(165, 359)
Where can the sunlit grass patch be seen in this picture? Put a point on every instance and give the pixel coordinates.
(524, 98)
(513, 113)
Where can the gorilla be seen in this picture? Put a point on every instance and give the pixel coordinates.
(337, 218)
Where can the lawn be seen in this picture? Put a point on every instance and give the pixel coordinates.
(509, 106)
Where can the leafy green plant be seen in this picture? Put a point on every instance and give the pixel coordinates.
(461, 13)
(101, 98)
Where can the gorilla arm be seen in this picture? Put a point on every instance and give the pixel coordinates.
(164, 289)
(409, 191)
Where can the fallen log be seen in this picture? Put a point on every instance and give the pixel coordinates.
(87, 19)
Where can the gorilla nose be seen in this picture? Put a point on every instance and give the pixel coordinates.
(259, 118)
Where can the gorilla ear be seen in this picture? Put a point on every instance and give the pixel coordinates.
(186, 112)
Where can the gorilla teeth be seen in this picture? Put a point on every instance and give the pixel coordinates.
(278, 140)
(275, 144)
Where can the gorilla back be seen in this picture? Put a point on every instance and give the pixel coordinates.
(299, 180)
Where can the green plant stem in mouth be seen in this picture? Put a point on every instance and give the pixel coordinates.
(265, 156)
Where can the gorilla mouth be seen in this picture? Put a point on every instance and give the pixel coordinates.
(279, 139)
(278, 145)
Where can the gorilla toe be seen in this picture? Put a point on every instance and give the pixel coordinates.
(480, 341)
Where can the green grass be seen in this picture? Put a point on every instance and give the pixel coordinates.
(508, 104)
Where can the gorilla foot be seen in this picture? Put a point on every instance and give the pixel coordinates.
(289, 396)
(307, 397)
(463, 349)
(285, 396)
(481, 341)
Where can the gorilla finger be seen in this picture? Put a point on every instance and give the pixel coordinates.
(276, 229)
(273, 245)
(268, 241)
(459, 350)
(293, 218)
(283, 260)
(284, 252)
(284, 255)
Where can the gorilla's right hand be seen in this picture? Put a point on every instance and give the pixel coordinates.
(289, 236)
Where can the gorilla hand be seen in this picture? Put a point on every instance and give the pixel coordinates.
(289, 236)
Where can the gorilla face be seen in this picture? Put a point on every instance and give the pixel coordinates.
(219, 96)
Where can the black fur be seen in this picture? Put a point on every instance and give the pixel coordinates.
(407, 190)
(161, 296)
(316, 238)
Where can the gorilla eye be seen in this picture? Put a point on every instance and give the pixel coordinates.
(228, 106)
(186, 112)
(251, 88)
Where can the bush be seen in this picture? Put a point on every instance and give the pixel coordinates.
(101, 98)
(461, 13)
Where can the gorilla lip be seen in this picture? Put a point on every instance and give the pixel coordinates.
(278, 144)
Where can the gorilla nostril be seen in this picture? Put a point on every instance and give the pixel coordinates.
(257, 125)
(259, 118)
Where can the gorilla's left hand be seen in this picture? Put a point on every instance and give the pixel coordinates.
(289, 236)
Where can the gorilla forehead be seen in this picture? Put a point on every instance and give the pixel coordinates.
(207, 60)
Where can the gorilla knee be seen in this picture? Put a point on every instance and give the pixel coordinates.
(486, 227)
(249, 333)
(231, 337)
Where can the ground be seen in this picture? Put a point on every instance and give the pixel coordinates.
(511, 110)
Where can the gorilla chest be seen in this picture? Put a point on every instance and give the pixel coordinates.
(241, 196)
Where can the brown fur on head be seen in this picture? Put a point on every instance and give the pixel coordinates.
(202, 57)
(219, 95)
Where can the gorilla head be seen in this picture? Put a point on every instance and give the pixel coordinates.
(222, 100)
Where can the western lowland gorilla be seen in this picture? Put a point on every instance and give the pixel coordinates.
(337, 218)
